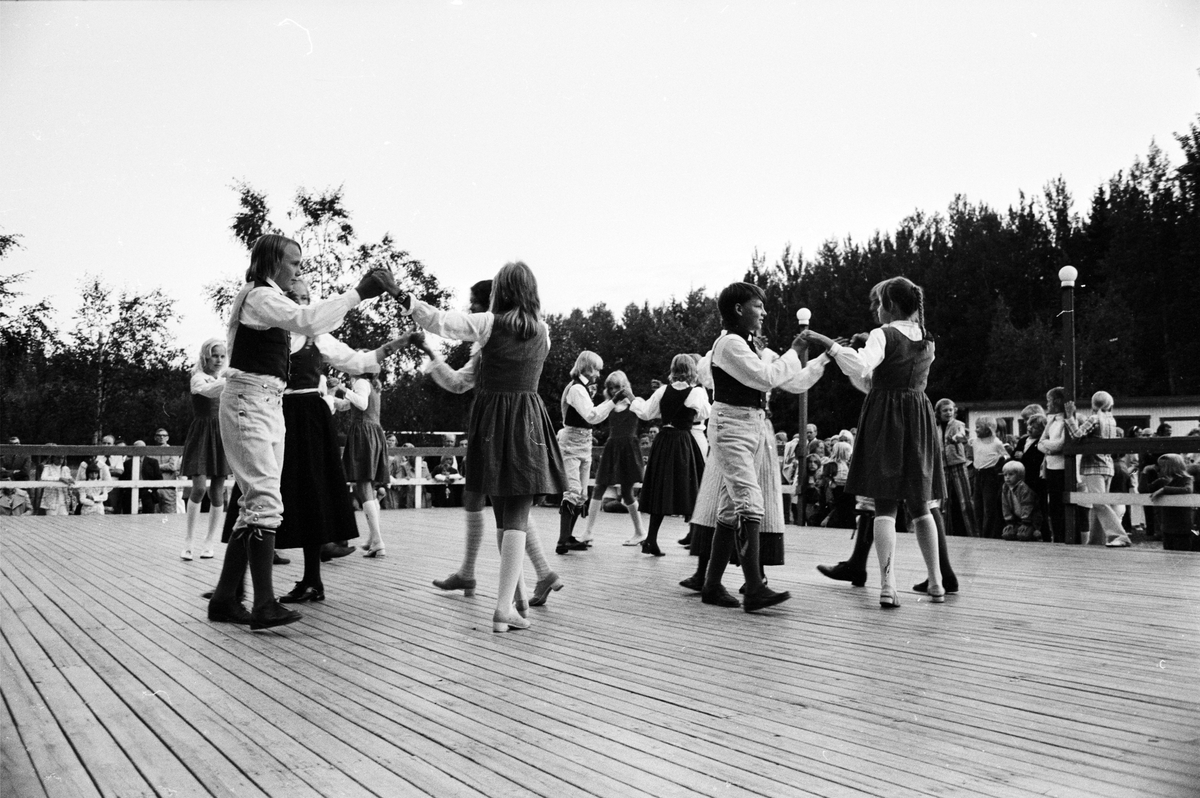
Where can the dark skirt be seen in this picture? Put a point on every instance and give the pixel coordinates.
(365, 456)
(317, 508)
(621, 462)
(673, 474)
(898, 449)
(203, 452)
(513, 450)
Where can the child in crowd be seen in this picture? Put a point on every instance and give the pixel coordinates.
(56, 501)
(836, 470)
(1171, 478)
(1096, 470)
(91, 500)
(897, 449)
(1020, 505)
(989, 454)
(251, 416)
(203, 452)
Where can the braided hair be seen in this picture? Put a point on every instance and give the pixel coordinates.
(902, 297)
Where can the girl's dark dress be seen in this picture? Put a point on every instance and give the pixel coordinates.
(203, 451)
(676, 464)
(898, 449)
(513, 450)
(621, 461)
(317, 508)
(365, 456)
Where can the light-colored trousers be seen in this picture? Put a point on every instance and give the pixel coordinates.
(738, 437)
(575, 443)
(252, 430)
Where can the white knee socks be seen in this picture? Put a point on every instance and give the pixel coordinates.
(371, 511)
(594, 510)
(512, 558)
(927, 539)
(636, 517)
(885, 548)
(193, 514)
(216, 520)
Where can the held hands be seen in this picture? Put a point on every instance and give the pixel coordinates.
(801, 341)
(1069, 408)
(376, 282)
(859, 340)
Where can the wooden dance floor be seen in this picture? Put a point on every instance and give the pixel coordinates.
(1056, 671)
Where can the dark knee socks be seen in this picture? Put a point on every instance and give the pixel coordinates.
(312, 566)
(652, 532)
(261, 556)
(748, 553)
(722, 547)
(864, 538)
(948, 576)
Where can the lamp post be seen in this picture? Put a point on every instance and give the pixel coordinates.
(1066, 276)
(803, 317)
(99, 386)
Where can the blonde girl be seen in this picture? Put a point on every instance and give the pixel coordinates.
(203, 452)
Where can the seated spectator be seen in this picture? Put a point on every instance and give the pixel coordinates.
(1019, 504)
(20, 467)
(611, 503)
(13, 501)
(448, 493)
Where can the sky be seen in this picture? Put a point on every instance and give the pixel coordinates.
(627, 150)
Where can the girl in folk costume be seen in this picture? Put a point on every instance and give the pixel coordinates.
(959, 513)
(897, 451)
(203, 452)
(365, 457)
(621, 461)
(512, 455)
(251, 416)
(741, 441)
(463, 578)
(575, 441)
(676, 462)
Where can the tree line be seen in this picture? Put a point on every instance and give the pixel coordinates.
(990, 279)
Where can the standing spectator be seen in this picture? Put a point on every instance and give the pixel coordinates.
(1051, 444)
(393, 498)
(989, 456)
(166, 499)
(91, 500)
(1096, 470)
(56, 501)
(959, 515)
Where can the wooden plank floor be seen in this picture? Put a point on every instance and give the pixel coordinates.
(1057, 671)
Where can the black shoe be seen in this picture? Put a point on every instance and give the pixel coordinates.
(302, 593)
(950, 586)
(271, 615)
(742, 589)
(765, 597)
(652, 548)
(686, 540)
(845, 572)
(570, 544)
(693, 582)
(280, 560)
(233, 613)
(719, 597)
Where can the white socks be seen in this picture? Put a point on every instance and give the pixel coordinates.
(512, 558)
(193, 515)
(594, 509)
(927, 539)
(636, 517)
(216, 520)
(885, 548)
(371, 511)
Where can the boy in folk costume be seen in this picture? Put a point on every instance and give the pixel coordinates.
(575, 441)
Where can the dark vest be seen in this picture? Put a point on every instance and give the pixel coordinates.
(571, 417)
(261, 351)
(306, 367)
(730, 391)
